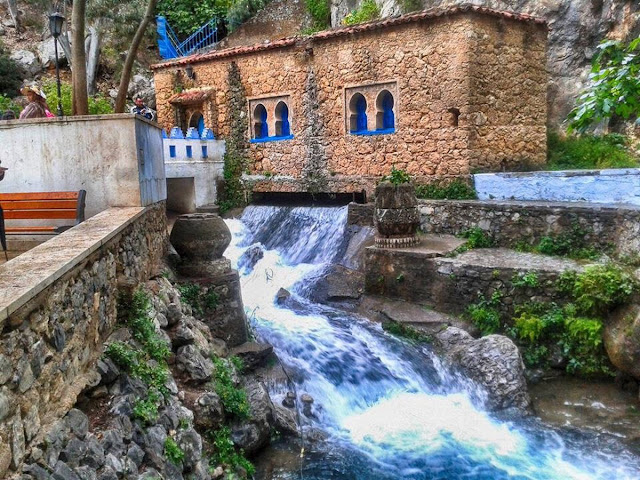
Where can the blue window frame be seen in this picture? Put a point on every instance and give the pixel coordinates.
(358, 118)
(260, 126)
(283, 128)
(189, 151)
(172, 151)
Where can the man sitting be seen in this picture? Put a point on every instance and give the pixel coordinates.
(141, 109)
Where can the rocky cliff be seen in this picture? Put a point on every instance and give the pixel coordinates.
(576, 27)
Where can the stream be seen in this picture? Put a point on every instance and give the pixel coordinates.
(383, 408)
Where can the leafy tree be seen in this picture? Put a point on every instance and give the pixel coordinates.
(10, 77)
(614, 86)
(186, 16)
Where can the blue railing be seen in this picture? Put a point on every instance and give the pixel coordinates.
(171, 47)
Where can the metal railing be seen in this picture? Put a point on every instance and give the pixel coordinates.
(170, 46)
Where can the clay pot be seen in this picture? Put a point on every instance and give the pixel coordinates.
(200, 236)
(396, 214)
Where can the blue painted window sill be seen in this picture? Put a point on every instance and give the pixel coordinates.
(373, 132)
(270, 139)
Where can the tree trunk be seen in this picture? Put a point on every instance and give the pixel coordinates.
(79, 71)
(121, 99)
(93, 55)
(15, 15)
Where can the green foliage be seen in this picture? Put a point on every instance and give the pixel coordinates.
(199, 300)
(172, 451)
(589, 152)
(143, 329)
(409, 6)
(7, 104)
(234, 399)
(454, 190)
(404, 331)
(186, 16)
(367, 11)
(97, 105)
(146, 410)
(572, 244)
(242, 10)
(225, 453)
(477, 238)
(10, 76)
(235, 157)
(525, 280)
(583, 345)
(320, 11)
(614, 86)
(397, 177)
(485, 314)
(237, 363)
(598, 289)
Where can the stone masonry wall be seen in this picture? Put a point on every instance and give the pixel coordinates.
(606, 227)
(48, 345)
(435, 68)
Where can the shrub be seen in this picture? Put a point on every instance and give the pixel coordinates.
(172, 451)
(225, 452)
(10, 76)
(367, 11)
(583, 345)
(477, 238)
(7, 104)
(485, 314)
(598, 289)
(454, 190)
(397, 177)
(589, 152)
(98, 105)
(234, 399)
(525, 280)
(320, 11)
(199, 300)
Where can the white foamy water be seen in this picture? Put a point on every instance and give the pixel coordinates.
(394, 405)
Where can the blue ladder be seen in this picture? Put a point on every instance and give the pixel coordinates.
(171, 47)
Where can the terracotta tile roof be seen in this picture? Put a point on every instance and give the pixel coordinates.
(190, 97)
(350, 30)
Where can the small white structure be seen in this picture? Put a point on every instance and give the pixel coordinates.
(595, 186)
(193, 167)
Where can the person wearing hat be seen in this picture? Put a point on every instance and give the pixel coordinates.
(37, 107)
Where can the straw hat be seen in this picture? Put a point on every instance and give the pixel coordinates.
(33, 88)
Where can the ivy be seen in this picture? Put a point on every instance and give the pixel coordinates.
(614, 86)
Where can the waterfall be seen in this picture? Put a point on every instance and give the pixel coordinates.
(387, 409)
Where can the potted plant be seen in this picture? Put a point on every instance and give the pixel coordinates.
(396, 214)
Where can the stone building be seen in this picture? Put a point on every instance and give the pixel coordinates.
(439, 93)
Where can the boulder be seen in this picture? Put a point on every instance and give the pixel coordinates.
(27, 60)
(622, 339)
(250, 257)
(337, 284)
(191, 445)
(252, 354)
(208, 410)
(143, 87)
(493, 362)
(47, 54)
(253, 434)
(198, 368)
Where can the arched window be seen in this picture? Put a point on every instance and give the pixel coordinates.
(282, 120)
(197, 121)
(358, 113)
(385, 117)
(260, 127)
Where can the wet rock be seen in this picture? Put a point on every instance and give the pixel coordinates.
(282, 296)
(307, 402)
(208, 411)
(494, 362)
(622, 339)
(252, 354)
(250, 257)
(289, 400)
(191, 361)
(285, 420)
(337, 284)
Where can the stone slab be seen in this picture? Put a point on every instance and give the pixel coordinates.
(25, 276)
(502, 258)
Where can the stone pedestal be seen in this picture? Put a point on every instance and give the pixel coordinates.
(396, 216)
(201, 239)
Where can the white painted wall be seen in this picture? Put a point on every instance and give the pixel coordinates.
(206, 172)
(595, 186)
(117, 159)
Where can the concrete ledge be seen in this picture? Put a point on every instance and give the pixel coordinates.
(24, 277)
(598, 186)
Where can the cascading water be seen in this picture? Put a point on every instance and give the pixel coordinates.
(388, 410)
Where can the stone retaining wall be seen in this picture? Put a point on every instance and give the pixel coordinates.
(606, 227)
(57, 307)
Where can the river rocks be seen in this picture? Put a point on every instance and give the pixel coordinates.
(622, 339)
(493, 362)
(250, 257)
(252, 354)
(337, 284)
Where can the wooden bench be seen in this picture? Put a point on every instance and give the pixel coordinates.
(43, 206)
